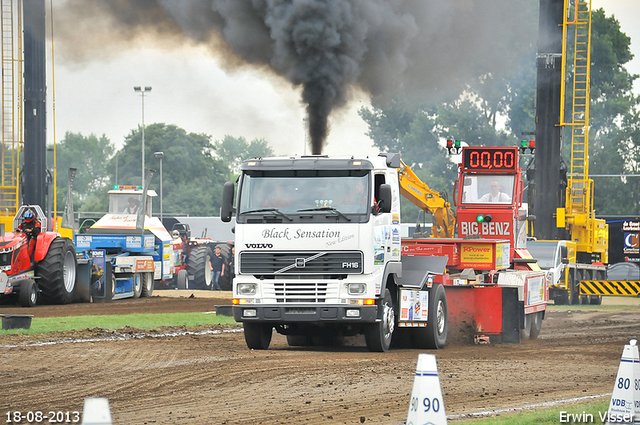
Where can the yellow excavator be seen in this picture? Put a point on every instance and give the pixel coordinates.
(429, 201)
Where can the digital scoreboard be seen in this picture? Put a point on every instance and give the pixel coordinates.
(490, 159)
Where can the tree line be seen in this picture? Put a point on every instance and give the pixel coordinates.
(194, 167)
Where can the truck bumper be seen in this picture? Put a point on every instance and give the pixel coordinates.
(304, 313)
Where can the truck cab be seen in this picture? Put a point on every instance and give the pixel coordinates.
(317, 248)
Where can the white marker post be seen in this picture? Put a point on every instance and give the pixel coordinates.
(96, 411)
(427, 405)
(625, 399)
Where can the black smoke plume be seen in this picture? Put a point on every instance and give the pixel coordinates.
(328, 47)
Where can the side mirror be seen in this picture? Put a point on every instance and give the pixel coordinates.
(227, 202)
(385, 198)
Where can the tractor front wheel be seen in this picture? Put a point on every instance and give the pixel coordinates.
(28, 293)
(57, 272)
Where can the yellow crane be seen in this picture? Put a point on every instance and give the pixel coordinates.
(428, 200)
(578, 215)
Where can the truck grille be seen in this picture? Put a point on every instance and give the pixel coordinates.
(300, 292)
(301, 263)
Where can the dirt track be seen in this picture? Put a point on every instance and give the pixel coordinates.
(211, 377)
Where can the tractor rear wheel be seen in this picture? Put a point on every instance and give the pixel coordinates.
(57, 272)
(199, 266)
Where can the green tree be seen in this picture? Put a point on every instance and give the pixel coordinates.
(233, 150)
(192, 178)
(89, 155)
(614, 134)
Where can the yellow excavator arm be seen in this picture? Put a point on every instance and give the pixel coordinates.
(428, 200)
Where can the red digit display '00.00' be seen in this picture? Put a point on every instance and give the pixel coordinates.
(490, 159)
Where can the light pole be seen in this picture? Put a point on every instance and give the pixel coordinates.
(142, 91)
(160, 155)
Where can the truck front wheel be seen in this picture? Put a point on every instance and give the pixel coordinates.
(378, 335)
(257, 335)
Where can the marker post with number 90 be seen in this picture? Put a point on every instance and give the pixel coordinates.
(426, 405)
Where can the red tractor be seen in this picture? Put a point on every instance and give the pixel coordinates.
(193, 259)
(36, 265)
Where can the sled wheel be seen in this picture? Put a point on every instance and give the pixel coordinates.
(57, 272)
(147, 284)
(525, 332)
(536, 325)
(378, 335)
(182, 280)
(257, 335)
(137, 285)
(28, 293)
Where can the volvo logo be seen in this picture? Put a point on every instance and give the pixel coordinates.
(300, 263)
(259, 245)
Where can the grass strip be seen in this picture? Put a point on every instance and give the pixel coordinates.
(144, 321)
(573, 413)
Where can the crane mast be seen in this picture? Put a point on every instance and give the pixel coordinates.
(562, 201)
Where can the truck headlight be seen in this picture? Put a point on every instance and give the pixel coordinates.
(246, 289)
(356, 288)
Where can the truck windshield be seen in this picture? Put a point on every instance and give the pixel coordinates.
(544, 252)
(484, 189)
(320, 194)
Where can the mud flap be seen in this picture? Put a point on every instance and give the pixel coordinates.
(102, 288)
(416, 268)
(510, 316)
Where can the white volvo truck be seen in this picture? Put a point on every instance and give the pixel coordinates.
(318, 249)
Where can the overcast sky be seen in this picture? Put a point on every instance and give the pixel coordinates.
(191, 90)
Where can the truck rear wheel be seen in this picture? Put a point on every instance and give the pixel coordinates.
(199, 266)
(257, 335)
(434, 336)
(57, 272)
(28, 293)
(378, 335)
